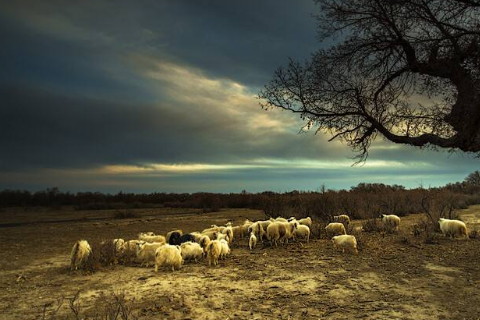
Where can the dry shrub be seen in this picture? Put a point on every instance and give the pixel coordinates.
(103, 254)
(317, 230)
(109, 307)
(373, 225)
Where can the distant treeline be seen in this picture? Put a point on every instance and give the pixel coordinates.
(362, 201)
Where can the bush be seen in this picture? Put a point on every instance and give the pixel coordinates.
(373, 225)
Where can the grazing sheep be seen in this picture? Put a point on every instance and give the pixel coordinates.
(168, 256)
(151, 238)
(225, 249)
(258, 230)
(221, 236)
(452, 228)
(238, 232)
(169, 234)
(264, 223)
(306, 221)
(130, 249)
(214, 250)
(174, 238)
(80, 252)
(343, 218)
(280, 231)
(345, 242)
(146, 252)
(191, 251)
(335, 229)
(186, 238)
(391, 222)
(211, 234)
(228, 231)
(302, 231)
(252, 242)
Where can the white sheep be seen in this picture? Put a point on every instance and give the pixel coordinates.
(391, 222)
(146, 252)
(252, 242)
(229, 233)
(191, 251)
(222, 236)
(225, 249)
(130, 248)
(302, 231)
(335, 229)
(258, 230)
(280, 231)
(151, 238)
(450, 227)
(80, 252)
(214, 250)
(306, 221)
(345, 242)
(168, 256)
(210, 234)
(343, 218)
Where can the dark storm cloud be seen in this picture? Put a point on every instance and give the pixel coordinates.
(88, 85)
(241, 40)
(42, 129)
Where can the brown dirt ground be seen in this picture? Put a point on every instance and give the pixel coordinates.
(394, 276)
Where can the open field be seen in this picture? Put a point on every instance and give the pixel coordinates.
(395, 276)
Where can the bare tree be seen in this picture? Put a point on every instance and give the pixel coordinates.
(408, 70)
(473, 178)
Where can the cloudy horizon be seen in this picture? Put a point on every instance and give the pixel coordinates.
(162, 97)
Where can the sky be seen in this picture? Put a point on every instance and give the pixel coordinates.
(161, 96)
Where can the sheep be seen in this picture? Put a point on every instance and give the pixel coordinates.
(225, 249)
(191, 251)
(252, 242)
(169, 234)
(229, 232)
(211, 234)
(80, 252)
(222, 236)
(242, 230)
(146, 252)
(280, 231)
(168, 256)
(185, 238)
(345, 242)
(258, 230)
(214, 250)
(335, 229)
(151, 238)
(391, 222)
(452, 228)
(174, 238)
(264, 223)
(238, 232)
(306, 221)
(343, 218)
(281, 219)
(302, 231)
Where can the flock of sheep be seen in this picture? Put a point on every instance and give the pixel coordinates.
(173, 249)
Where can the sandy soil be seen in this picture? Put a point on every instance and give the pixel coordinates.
(395, 276)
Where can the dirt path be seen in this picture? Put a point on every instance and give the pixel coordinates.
(393, 277)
